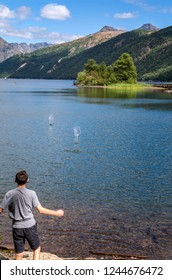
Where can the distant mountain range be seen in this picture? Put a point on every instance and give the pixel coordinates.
(10, 49)
(150, 48)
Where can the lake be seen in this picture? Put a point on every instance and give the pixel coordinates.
(113, 180)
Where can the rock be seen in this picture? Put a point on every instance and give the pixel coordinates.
(107, 28)
(43, 256)
(149, 27)
(10, 255)
(3, 257)
(8, 50)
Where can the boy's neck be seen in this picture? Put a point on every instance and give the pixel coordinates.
(21, 186)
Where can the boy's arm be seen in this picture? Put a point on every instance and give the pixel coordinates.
(1, 210)
(57, 213)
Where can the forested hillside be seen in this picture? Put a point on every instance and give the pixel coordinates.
(150, 50)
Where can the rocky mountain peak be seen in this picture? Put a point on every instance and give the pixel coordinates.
(107, 28)
(10, 49)
(149, 27)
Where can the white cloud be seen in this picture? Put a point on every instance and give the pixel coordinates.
(23, 12)
(6, 13)
(10, 31)
(58, 38)
(8, 19)
(51, 37)
(36, 34)
(36, 29)
(124, 15)
(3, 24)
(55, 12)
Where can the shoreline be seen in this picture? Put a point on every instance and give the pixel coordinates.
(166, 87)
(9, 254)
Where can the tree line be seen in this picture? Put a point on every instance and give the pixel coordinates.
(122, 70)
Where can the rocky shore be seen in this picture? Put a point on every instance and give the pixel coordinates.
(8, 254)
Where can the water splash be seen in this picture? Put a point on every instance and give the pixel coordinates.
(77, 133)
(51, 119)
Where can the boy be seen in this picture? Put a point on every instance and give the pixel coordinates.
(20, 202)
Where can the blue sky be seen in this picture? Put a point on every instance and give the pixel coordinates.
(65, 20)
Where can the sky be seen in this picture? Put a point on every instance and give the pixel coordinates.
(65, 20)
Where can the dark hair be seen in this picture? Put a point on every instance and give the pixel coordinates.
(21, 177)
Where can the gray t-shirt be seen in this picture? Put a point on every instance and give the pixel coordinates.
(20, 202)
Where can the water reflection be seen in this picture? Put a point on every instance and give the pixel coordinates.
(103, 92)
(149, 99)
(100, 92)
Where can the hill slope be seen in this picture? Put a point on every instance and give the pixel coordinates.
(151, 51)
(41, 63)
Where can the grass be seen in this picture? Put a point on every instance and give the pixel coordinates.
(130, 86)
(123, 86)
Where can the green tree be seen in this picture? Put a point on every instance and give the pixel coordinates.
(90, 66)
(121, 71)
(125, 70)
(81, 76)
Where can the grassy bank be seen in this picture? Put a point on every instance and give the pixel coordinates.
(130, 86)
(123, 86)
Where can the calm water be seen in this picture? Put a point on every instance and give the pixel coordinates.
(114, 182)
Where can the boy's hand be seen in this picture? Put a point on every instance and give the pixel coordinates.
(60, 213)
(46, 211)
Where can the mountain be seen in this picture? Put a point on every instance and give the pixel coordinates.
(2, 42)
(108, 28)
(151, 51)
(149, 27)
(46, 60)
(10, 49)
